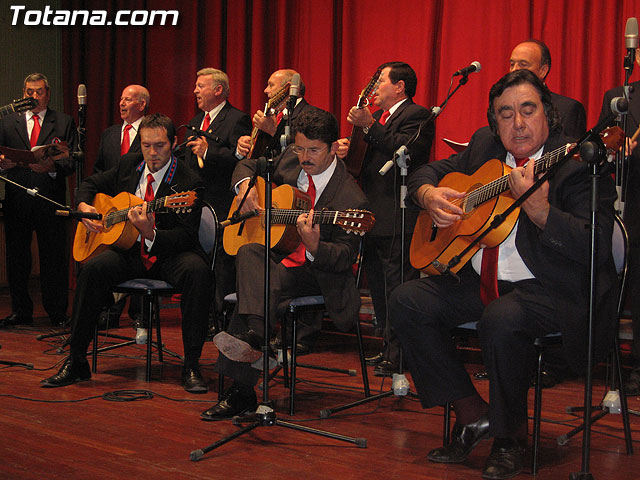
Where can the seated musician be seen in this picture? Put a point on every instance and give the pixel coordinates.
(541, 287)
(322, 265)
(169, 244)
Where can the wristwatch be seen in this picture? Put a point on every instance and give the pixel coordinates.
(366, 129)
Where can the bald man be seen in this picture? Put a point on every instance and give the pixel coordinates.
(534, 55)
(134, 103)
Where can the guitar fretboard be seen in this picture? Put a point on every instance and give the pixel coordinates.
(121, 215)
(289, 216)
(496, 187)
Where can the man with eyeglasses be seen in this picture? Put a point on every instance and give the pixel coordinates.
(394, 125)
(320, 266)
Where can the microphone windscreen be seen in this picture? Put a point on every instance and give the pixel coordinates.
(82, 94)
(631, 33)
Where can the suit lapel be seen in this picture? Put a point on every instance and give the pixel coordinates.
(47, 128)
(21, 129)
(397, 113)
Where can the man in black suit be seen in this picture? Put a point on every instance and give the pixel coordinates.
(24, 213)
(214, 160)
(116, 141)
(534, 55)
(321, 265)
(539, 283)
(394, 125)
(167, 248)
(123, 138)
(631, 220)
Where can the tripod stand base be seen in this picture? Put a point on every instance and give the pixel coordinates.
(265, 416)
(581, 476)
(28, 366)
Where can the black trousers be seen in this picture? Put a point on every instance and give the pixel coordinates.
(186, 271)
(51, 233)
(424, 311)
(382, 264)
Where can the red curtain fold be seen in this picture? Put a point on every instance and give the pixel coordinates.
(336, 45)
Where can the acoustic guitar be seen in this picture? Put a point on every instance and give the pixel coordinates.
(118, 232)
(287, 204)
(357, 146)
(487, 195)
(260, 140)
(19, 105)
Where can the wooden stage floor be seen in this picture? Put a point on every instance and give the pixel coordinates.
(75, 432)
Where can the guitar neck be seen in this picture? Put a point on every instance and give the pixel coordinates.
(289, 216)
(122, 215)
(499, 186)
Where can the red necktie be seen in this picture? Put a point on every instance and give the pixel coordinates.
(147, 260)
(206, 122)
(279, 117)
(489, 268)
(35, 132)
(383, 118)
(297, 258)
(126, 140)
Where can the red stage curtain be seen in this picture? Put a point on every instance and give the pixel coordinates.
(336, 45)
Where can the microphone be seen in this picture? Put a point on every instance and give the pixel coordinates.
(474, 67)
(78, 214)
(619, 105)
(82, 96)
(202, 133)
(294, 89)
(239, 218)
(631, 34)
(401, 155)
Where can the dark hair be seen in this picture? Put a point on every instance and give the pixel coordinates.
(36, 77)
(545, 54)
(317, 124)
(402, 71)
(158, 120)
(518, 77)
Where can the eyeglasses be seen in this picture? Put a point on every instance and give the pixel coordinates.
(311, 151)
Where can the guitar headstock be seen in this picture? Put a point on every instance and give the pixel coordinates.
(181, 202)
(369, 90)
(279, 100)
(612, 138)
(20, 105)
(356, 221)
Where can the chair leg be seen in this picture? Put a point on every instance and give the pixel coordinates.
(285, 352)
(537, 409)
(624, 408)
(149, 305)
(446, 429)
(94, 353)
(363, 364)
(292, 387)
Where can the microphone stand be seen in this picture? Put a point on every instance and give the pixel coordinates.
(265, 415)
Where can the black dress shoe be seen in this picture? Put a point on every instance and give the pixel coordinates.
(375, 360)
(74, 369)
(15, 319)
(505, 461)
(463, 439)
(234, 402)
(192, 380)
(386, 369)
(240, 347)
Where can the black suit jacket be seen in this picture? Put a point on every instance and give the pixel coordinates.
(632, 199)
(229, 125)
(174, 232)
(383, 192)
(572, 114)
(56, 127)
(337, 250)
(558, 256)
(109, 148)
